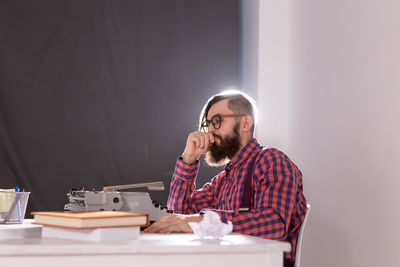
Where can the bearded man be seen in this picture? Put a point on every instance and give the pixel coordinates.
(260, 189)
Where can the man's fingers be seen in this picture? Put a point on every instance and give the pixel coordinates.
(154, 228)
(198, 143)
(168, 229)
(206, 143)
(197, 140)
(150, 229)
(211, 137)
(201, 140)
(201, 137)
(177, 225)
(169, 224)
(160, 223)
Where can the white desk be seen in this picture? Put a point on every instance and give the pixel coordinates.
(22, 244)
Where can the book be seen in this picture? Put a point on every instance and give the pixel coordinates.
(96, 234)
(91, 219)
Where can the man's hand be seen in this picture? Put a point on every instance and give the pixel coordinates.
(174, 223)
(197, 144)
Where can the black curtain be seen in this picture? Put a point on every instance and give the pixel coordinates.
(96, 93)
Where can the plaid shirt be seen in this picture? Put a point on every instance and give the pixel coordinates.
(279, 205)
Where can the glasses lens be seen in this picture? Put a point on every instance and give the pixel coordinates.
(216, 121)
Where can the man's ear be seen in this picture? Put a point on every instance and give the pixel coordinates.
(247, 123)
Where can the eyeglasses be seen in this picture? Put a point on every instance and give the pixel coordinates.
(216, 121)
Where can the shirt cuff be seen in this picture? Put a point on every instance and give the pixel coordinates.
(184, 170)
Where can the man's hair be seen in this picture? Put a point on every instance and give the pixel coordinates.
(238, 102)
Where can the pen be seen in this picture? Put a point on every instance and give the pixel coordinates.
(18, 205)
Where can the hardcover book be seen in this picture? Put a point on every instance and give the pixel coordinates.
(91, 219)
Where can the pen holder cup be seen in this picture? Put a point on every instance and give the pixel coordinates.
(13, 206)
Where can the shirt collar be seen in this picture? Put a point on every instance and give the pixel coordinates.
(244, 154)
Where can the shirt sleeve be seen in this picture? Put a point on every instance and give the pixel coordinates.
(275, 186)
(182, 197)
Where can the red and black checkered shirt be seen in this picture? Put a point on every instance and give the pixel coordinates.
(278, 206)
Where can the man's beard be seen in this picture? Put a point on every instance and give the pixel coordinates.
(221, 154)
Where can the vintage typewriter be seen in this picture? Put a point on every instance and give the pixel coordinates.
(110, 199)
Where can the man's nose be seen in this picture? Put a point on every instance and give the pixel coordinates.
(211, 129)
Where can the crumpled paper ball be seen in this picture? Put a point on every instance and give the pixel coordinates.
(211, 226)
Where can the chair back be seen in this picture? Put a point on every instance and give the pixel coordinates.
(300, 239)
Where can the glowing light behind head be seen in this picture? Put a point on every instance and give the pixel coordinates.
(232, 91)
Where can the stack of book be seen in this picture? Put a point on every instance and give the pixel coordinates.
(91, 225)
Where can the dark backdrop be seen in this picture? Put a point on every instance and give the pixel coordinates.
(96, 93)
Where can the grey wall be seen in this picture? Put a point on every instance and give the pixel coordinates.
(96, 93)
(340, 122)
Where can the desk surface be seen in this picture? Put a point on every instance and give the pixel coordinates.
(25, 240)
